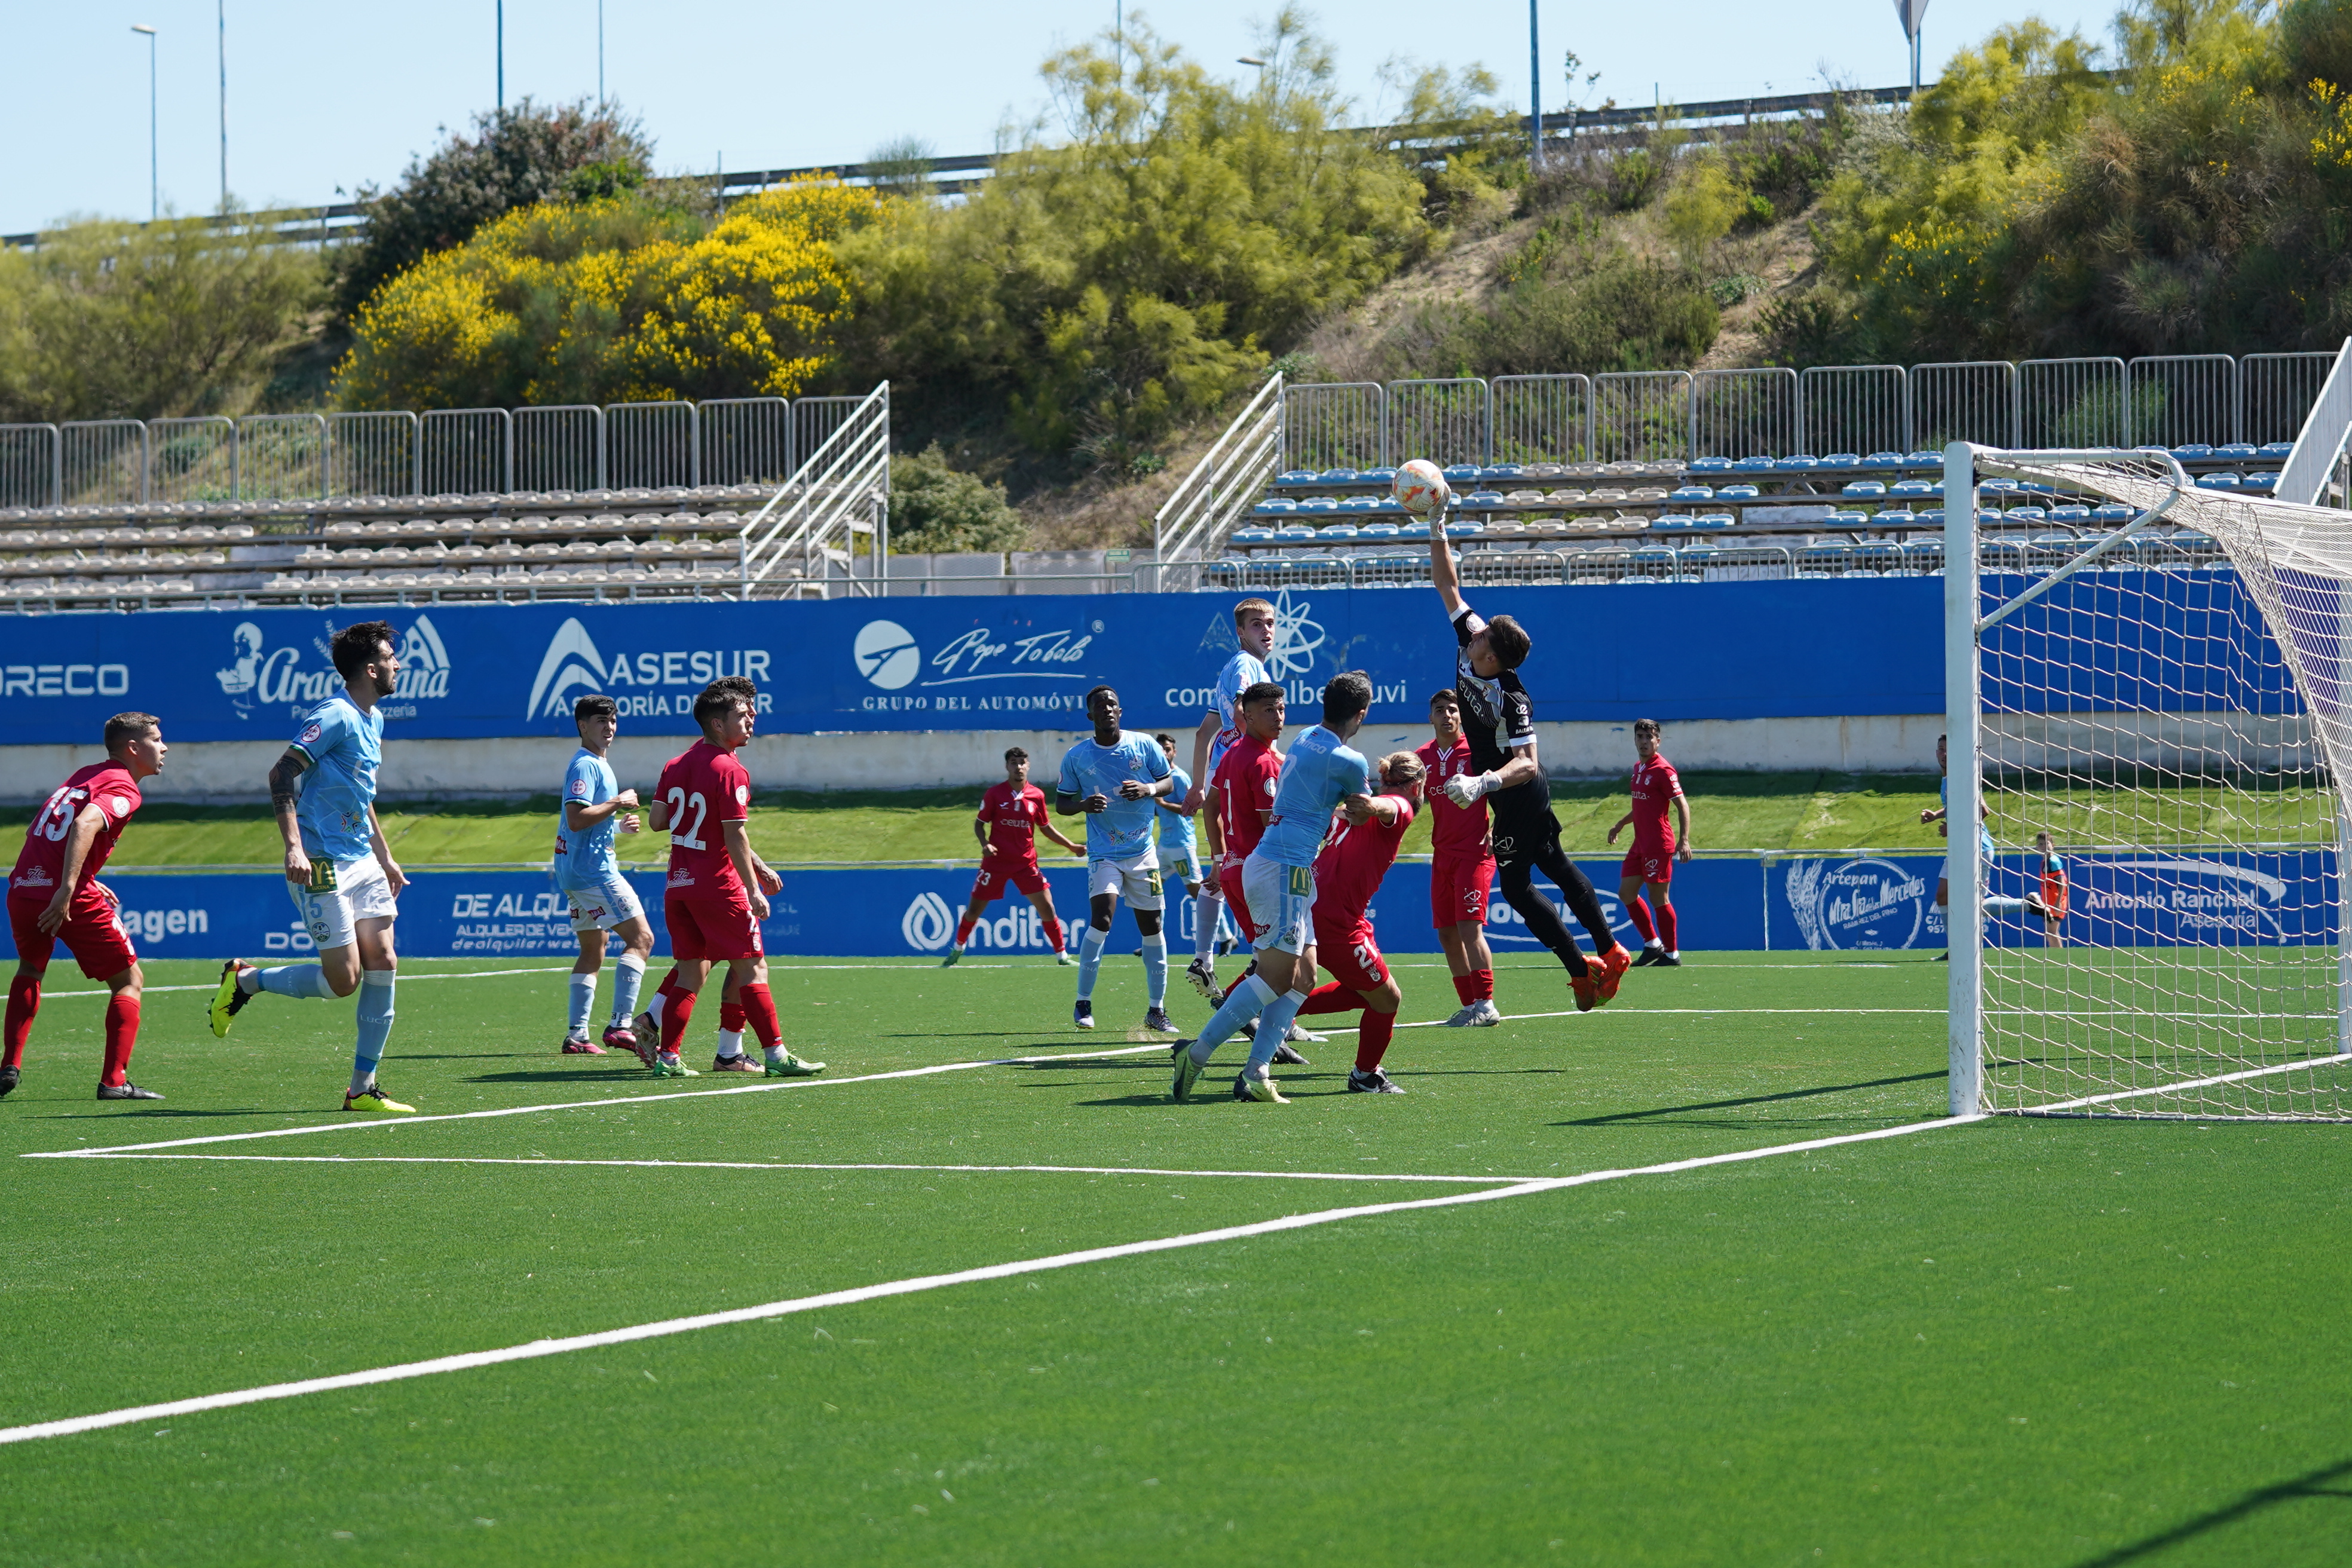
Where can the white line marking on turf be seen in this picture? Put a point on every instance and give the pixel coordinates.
(811, 1165)
(596, 1104)
(2091, 1099)
(404, 975)
(536, 1349)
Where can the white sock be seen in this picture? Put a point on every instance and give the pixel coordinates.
(730, 1042)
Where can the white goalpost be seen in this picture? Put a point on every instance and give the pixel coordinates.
(2171, 702)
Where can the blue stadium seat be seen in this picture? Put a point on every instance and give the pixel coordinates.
(1459, 530)
(1896, 517)
(2017, 514)
(1913, 488)
(1359, 503)
(2236, 452)
(2192, 452)
(1691, 492)
(1865, 489)
(1460, 473)
(1389, 503)
(1377, 530)
(2077, 514)
(1412, 530)
(1840, 461)
(1338, 532)
(2222, 481)
(2275, 450)
(2262, 484)
(1713, 520)
(1998, 487)
(1500, 472)
(1319, 503)
(1483, 499)
(1293, 532)
(1798, 463)
(1670, 520)
(1379, 476)
(1932, 518)
(1252, 536)
(1846, 519)
(1922, 460)
(1738, 492)
(1987, 517)
(1297, 477)
(1710, 465)
(1754, 466)
(1275, 504)
(2110, 511)
(1883, 460)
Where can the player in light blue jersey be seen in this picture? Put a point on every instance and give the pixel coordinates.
(1322, 773)
(339, 869)
(588, 874)
(1116, 779)
(1221, 727)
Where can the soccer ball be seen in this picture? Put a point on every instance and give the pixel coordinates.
(1421, 488)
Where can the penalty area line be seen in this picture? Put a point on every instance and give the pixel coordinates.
(657, 1099)
(404, 975)
(818, 1165)
(538, 1349)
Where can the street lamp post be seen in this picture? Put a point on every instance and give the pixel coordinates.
(502, 54)
(221, 16)
(1535, 97)
(154, 176)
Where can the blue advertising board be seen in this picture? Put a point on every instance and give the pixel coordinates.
(1727, 650)
(1853, 903)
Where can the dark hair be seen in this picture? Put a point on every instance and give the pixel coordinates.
(1348, 696)
(1445, 694)
(1094, 692)
(742, 686)
(354, 647)
(1016, 755)
(720, 697)
(594, 706)
(1508, 642)
(125, 727)
(1651, 725)
(1263, 691)
(1166, 742)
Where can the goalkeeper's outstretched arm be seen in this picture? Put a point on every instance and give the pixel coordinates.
(1441, 565)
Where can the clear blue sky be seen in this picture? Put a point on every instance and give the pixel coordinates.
(329, 95)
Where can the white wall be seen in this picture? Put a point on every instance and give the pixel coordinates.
(236, 770)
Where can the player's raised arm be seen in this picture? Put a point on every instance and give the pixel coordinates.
(1202, 739)
(1441, 575)
(285, 791)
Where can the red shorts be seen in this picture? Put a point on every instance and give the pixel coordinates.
(1229, 878)
(1649, 863)
(1352, 954)
(91, 933)
(713, 926)
(1458, 888)
(996, 875)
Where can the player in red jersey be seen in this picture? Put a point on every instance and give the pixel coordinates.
(1656, 789)
(54, 895)
(1347, 874)
(1461, 866)
(1011, 815)
(717, 889)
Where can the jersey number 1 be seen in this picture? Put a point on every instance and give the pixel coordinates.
(690, 838)
(58, 814)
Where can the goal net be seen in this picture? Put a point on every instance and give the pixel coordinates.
(2152, 722)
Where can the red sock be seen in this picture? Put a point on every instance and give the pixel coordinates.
(1639, 909)
(1666, 926)
(1373, 1041)
(731, 1014)
(1485, 979)
(675, 1011)
(1054, 934)
(24, 1000)
(1467, 987)
(122, 1034)
(760, 1007)
(1331, 997)
(963, 926)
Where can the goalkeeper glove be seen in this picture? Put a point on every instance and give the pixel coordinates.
(1462, 790)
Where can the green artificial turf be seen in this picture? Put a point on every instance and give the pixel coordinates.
(2014, 1342)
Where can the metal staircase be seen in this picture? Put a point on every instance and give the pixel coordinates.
(1191, 528)
(804, 542)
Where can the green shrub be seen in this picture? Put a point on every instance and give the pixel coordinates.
(935, 509)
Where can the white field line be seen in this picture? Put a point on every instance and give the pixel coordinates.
(2091, 1099)
(814, 1165)
(666, 1328)
(1160, 1046)
(404, 975)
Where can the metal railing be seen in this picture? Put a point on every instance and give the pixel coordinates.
(1448, 421)
(560, 448)
(1642, 416)
(1736, 411)
(1543, 420)
(193, 459)
(651, 445)
(745, 441)
(1334, 425)
(842, 491)
(1225, 483)
(2319, 444)
(1858, 409)
(465, 451)
(2072, 403)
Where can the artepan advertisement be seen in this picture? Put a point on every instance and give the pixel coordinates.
(1010, 663)
(1833, 904)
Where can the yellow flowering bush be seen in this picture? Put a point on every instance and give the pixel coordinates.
(624, 299)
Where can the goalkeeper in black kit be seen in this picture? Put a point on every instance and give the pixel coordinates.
(1499, 721)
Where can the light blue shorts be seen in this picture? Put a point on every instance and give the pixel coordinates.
(1281, 903)
(602, 904)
